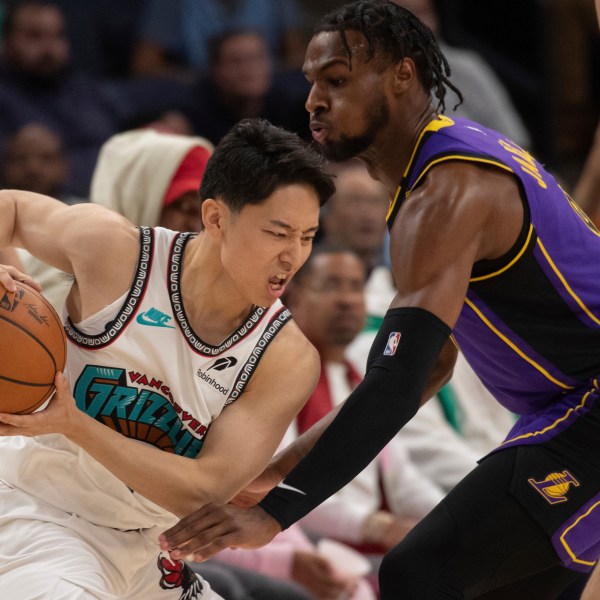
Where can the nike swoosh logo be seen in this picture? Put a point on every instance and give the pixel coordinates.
(285, 486)
(143, 320)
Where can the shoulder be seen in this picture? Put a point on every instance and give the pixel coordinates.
(104, 249)
(291, 358)
(459, 186)
(96, 223)
(459, 204)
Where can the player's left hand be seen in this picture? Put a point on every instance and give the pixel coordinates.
(214, 527)
(60, 416)
(10, 274)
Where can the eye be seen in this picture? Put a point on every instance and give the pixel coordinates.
(277, 234)
(308, 238)
(336, 82)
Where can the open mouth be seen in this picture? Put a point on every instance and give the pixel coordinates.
(277, 283)
(319, 132)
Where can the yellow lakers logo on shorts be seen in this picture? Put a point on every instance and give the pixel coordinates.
(555, 487)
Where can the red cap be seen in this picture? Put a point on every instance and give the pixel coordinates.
(188, 176)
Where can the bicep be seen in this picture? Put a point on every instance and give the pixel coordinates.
(67, 237)
(434, 243)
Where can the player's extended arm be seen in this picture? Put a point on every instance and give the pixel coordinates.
(291, 455)
(97, 245)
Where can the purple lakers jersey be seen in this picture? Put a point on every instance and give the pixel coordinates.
(530, 324)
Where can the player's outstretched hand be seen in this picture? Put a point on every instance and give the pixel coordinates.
(9, 274)
(214, 527)
(60, 416)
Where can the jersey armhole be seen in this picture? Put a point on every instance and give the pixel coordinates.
(486, 267)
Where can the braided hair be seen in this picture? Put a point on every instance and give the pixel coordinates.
(397, 33)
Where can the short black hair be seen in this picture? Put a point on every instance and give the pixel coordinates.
(255, 158)
(394, 31)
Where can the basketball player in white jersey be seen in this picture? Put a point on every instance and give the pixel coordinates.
(183, 372)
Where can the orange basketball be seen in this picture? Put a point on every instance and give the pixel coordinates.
(32, 349)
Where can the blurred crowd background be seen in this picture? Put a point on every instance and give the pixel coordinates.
(97, 67)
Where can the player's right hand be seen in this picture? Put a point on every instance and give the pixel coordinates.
(214, 527)
(8, 276)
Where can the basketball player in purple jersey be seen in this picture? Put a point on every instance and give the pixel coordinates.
(489, 255)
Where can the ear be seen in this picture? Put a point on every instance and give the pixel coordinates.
(404, 75)
(213, 216)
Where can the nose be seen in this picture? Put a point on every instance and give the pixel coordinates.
(294, 255)
(316, 99)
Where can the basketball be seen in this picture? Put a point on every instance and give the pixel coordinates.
(32, 349)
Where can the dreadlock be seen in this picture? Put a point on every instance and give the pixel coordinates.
(395, 31)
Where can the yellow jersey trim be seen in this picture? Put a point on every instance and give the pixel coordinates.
(567, 287)
(568, 548)
(516, 349)
(553, 425)
(511, 263)
(435, 125)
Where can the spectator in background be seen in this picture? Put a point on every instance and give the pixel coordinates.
(102, 35)
(34, 159)
(37, 85)
(355, 215)
(485, 99)
(241, 82)
(152, 178)
(173, 35)
(327, 301)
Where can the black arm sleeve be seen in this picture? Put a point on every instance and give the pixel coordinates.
(401, 358)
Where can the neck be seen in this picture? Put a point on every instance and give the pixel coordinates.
(213, 305)
(388, 157)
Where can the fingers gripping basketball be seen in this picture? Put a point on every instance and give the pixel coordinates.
(32, 349)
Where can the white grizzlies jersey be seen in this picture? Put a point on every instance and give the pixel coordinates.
(139, 368)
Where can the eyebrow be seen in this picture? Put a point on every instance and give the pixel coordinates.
(330, 63)
(290, 228)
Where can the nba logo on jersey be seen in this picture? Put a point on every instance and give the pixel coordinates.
(392, 343)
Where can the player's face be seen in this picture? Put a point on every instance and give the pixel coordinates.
(348, 107)
(265, 244)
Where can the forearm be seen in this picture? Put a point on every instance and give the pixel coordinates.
(387, 398)
(291, 455)
(442, 371)
(7, 222)
(173, 484)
